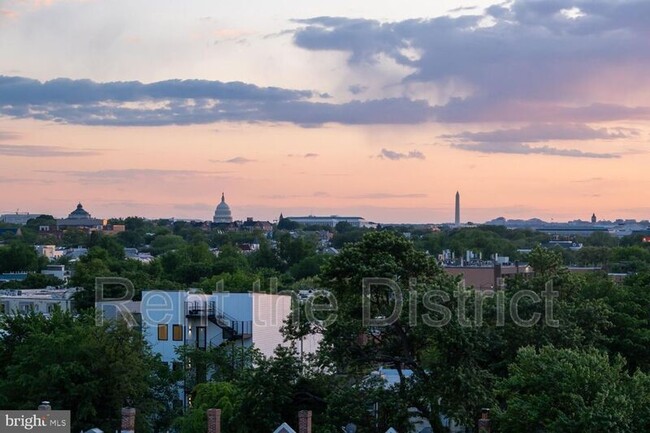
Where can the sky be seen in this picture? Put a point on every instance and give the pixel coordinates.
(382, 109)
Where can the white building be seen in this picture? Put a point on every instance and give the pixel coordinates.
(174, 319)
(330, 221)
(391, 378)
(18, 218)
(134, 254)
(76, 253)
(222, 214)
(37, 300)
(57, 271)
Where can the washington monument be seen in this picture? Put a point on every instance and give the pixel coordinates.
(457, 219)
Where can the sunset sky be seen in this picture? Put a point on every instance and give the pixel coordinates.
(381, 109)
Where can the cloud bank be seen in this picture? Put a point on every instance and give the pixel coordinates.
(33, 151)
(543, 61)
(185, 102)
(517, 140)
(396, 156)
(532, 61)
(525, 149)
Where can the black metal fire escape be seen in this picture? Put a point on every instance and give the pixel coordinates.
(232, 329)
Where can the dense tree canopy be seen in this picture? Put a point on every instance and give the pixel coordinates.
(91, 370)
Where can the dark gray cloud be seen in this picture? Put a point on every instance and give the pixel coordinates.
(544, 132)
(516, 140)
(396, 156)
(463, 9)
(237, 160)
(41, 151)
(529, 61)
(357, 89)
(184, 102)
(542, 61)
(305, 155)
(26, 91)
(525, 149)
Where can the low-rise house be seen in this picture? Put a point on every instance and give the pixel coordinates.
(391, 378)
(12, 276)
(134, 254)
(248, 248)
(251, 225)
(43, 301)
(58, 271)
(52, 252)
(76, 253)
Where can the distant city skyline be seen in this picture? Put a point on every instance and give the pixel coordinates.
(529, 109)
(242, 216)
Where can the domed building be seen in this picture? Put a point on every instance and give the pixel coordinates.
(80, 218)
(79, 213)
(222, 214)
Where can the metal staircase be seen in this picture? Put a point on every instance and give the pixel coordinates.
(232, 329)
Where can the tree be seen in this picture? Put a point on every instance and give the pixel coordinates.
(230, 260)
(563, 390)
(91, 370)
(165, 243)
(75, 238)
(267, 392)
(287, 224)
(220, 395)
(294, 249)
(34, 281)
(265, 257)
(20, 257)
(430, 352)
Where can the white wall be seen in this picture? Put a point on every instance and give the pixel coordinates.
(161, 307)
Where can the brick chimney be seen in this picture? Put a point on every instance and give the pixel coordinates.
(304, 421)
(128, 420)
(484, 423)
(214, 420)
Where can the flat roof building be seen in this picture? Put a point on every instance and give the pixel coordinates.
(330, 221)
(43, 301)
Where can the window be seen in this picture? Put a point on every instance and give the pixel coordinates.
(177, 332)
(162, 332)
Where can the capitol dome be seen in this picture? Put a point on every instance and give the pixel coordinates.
(222, 214)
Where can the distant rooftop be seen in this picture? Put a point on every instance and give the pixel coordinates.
(325, 217)
(47, 293)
